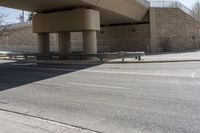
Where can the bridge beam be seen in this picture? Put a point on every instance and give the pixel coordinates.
(64, 22)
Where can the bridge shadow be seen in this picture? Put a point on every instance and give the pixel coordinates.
(15, 74)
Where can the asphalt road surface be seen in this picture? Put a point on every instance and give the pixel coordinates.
(110, 98)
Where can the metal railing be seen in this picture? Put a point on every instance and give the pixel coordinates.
(81, 56)
(174, 4)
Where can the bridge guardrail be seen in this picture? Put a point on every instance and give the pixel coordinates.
(82, 56)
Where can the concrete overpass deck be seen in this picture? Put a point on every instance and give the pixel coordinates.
(112, 11)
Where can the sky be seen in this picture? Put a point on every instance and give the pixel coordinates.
(187, 3)
(13, 14)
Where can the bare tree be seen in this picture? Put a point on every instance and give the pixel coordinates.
(30, 16)
(196, 8)
(21, 17)
(3, 25)
(2, 17)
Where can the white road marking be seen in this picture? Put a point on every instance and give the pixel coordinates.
(194, 74)
(134, 73)
(23, 64)
(100, 86)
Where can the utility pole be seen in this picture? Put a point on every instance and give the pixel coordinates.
(23, 16)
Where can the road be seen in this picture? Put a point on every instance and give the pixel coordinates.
(108, 98)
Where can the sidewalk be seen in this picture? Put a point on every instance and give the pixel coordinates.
(164, 57)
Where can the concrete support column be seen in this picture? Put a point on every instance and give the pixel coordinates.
(64, 42)
(90, 42)
(155, 43)
(43, 42)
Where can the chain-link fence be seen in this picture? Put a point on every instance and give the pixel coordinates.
(174, 4)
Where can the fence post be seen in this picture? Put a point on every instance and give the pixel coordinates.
(163, 3)
(139, 58)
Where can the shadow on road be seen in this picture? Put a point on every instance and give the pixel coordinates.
(16, 74)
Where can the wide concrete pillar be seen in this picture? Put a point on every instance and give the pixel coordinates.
(64, 42)
(43, 42)
(90, 42)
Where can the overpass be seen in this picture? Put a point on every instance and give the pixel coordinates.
(66, 16)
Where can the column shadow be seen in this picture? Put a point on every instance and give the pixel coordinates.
(17, 74)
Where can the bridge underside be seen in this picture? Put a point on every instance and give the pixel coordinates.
(65, 16)
(112, 11)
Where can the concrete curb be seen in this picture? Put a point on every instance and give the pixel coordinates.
(104, 62)
(156, 61)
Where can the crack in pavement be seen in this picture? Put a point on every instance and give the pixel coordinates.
(85, 130)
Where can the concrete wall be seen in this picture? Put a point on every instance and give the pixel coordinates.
(173, 30)
(124, 38)
(22, 39)
(19, 39)
(110, 38)
(169, 30)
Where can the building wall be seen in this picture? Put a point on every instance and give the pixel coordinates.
(173, 30)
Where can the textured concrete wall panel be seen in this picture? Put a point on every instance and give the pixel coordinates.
(113, 38)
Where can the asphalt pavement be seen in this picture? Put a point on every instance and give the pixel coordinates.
(108, 98)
